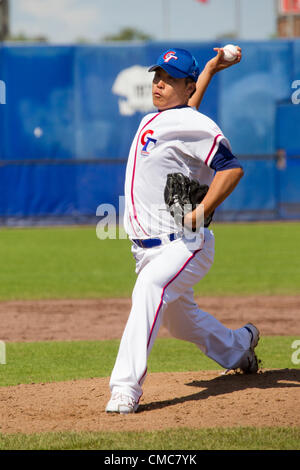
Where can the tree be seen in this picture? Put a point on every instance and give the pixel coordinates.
(4, 20)
(228, 35)
(82, 40)
(128, 34)
(22, 37)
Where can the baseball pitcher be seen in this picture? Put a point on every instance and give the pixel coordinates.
(180, 168)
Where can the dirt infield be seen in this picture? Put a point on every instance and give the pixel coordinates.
(98, 319)
(189, 399)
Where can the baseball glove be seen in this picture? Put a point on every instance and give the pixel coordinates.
(182, 195)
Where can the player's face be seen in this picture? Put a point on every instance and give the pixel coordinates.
(168, 91)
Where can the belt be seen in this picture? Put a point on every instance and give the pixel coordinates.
(151, 242)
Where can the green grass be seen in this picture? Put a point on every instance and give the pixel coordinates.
(169, 439)
(255, 259)
(58, 361)
(73, 263)
(63, 263)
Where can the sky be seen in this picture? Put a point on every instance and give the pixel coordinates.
(64, 21)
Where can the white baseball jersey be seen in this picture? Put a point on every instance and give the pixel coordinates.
(175, 140)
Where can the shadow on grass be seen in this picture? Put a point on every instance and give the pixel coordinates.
(275, 378)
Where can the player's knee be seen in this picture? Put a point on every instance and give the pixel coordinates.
(147, 285)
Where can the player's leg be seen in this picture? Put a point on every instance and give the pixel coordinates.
(173, 270)
(185, 320)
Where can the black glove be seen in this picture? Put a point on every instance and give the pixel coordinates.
(182, 195)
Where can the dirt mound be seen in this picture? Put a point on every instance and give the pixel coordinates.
(189, 399)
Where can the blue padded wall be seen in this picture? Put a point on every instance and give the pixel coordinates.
(64, 141)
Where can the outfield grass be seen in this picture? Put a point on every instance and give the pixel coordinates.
(67, 262)
(73, 263)
(58, 361)
(255, 259)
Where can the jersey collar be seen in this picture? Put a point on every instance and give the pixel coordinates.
(180, 106)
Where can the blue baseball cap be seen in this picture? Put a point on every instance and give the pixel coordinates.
(178, 63)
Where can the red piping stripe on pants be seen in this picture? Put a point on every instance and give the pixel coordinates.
(161, 301)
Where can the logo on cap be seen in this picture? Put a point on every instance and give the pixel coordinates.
(170, 55)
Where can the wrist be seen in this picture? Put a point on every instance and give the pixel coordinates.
(188, 221)
(210, 69)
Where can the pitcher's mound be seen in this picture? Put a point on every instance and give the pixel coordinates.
(170, 400)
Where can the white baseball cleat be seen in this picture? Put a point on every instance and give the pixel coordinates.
(120, 403)
(249, 364)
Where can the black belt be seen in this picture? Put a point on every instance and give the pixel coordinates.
(151, 242)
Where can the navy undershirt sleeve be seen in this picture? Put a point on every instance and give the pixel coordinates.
(224, 159)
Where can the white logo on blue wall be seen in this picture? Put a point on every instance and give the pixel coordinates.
(2, 92)
(134, 85)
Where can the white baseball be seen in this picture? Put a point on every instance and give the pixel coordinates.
(230, 52)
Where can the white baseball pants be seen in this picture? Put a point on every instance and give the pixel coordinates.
(163, 293)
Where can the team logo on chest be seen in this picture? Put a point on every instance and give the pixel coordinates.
(147, 142)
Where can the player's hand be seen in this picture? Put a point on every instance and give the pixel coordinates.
(217, 63)
(213, 66)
